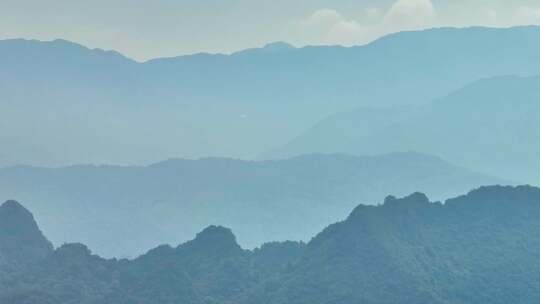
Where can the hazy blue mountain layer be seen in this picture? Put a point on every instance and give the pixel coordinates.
(490, 126)
(63, 104)
(477, 248)
(121, 211)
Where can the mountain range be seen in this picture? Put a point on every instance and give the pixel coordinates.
(476, 248)
(121, 211)
(65, 104)
(489, 126)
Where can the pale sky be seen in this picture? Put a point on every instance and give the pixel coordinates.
(145, 29)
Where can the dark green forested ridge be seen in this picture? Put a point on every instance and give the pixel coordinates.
(21, 241)
(481, 247)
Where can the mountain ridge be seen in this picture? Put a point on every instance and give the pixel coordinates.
(172, 200)
(495, 116)
(21, 240)
(235, 106)
(389, 38)
(398, 250)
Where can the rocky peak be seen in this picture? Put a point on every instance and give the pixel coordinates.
(21, 241)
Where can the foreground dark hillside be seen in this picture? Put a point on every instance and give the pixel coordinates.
(122, 211)
(482, 247)
(21, 241)
(478, 248)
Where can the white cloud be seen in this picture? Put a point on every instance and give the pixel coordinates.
(328, 26)
(347, 32)
(325, 17)
(410, 15)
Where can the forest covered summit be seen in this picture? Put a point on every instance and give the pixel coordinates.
(398, 250)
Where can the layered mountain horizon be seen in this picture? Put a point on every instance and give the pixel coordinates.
(320, 152)
(121, 210)
(488, 126)
(65, 99)
(395, 251)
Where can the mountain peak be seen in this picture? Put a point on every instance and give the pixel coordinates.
(493, 196)
(215, 234)
(20, 238)
(416, 198)
(215, 239)
(14, 215)
(278, 46)
(73, 250)
(13, 206)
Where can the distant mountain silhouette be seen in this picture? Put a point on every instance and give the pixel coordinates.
(490, 126)
(475, 248)
(121, 211)
(69, 102)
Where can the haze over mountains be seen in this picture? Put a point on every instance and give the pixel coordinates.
(64, 104)
(278, 144)
(490, 126)
(121, 211)
(476, 248)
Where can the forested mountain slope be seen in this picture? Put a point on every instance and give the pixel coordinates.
(478, 248)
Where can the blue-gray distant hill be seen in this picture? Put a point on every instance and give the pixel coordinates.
(121, 211)
(62, 103)
(490, 126)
